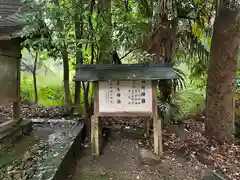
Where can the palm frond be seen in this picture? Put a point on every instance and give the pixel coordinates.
(194, 47)
(180, 82)
(170, 113)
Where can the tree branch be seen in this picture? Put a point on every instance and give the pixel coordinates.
(125, 55)
(27, 66)
(186, 17)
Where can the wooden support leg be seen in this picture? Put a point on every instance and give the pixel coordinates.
(17, 104)
(15, 119)
(158, 149)
(16, 111)
(147, 128)
(101, 140)
(95, 135)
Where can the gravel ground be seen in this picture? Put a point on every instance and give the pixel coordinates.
(37, 156)
(24, 166)
(120, 160)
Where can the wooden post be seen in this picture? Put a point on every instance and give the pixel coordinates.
(147, 128)
(95, 123)
(92, 135)
(17, 104)
(234, 112)
(157, 134)
(16, 111)
(95, 136)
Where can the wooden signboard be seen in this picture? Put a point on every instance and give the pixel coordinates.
(125, 96)
(125, 90)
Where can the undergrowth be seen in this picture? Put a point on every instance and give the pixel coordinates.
(48, 94)
(191, 98)
(51, 93)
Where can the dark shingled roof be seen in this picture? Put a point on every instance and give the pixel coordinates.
(104, 72)
(11, 18)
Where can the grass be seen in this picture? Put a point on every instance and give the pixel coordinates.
(50, 88)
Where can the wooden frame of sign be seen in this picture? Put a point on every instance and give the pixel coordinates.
(10, 58)
(132, 107)
(118, 91)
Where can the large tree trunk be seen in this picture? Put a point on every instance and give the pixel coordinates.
(222, 73)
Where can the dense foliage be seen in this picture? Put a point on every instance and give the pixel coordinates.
(73, 32)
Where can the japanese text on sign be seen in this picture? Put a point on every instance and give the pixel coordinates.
(125, 96)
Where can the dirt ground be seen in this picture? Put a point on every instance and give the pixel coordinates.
(120, 161)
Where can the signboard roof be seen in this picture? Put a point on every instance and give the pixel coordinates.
(105, 72)
(11, 18)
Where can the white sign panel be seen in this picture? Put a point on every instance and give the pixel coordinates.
(125, 96)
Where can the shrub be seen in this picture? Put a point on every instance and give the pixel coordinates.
(26, 89)
(51, 95)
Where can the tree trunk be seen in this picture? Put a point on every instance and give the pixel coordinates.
(222, 74)
(35, 88)
(79, 56)
(68, 102)
(64, 53)
(161, 43)
(88, 107)
(105, 42)
(87, 113)
(35, 78)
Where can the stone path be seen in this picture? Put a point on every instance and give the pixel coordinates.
(39, 155)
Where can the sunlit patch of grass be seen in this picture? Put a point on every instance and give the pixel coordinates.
(50, 89)
(190, 101)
